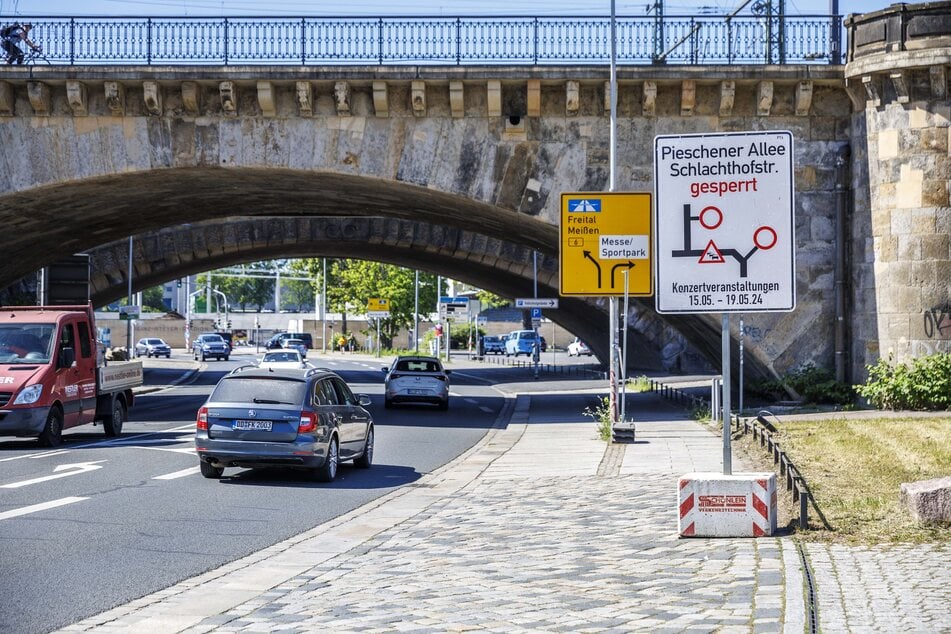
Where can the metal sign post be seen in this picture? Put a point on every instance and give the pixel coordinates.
(725, 239)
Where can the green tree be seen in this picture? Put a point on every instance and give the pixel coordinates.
(352, 283)
(152, 300)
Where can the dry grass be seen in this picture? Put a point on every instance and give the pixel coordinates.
(855, 467)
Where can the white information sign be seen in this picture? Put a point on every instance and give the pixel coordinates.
(724, 222)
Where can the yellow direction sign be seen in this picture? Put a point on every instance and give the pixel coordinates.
(375, 305)
(602, 235)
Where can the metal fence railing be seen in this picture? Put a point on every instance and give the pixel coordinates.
(481, 40)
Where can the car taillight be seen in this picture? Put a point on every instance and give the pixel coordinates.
(394, 375)
(202, 422)
(308, 423)
(442, 377)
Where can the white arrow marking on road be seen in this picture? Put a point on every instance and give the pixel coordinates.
(177, 474)
(58, 472)
(26, 510)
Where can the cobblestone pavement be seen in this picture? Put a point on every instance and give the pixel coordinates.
(536, 529)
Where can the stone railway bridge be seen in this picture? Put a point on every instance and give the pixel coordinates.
(458, 170)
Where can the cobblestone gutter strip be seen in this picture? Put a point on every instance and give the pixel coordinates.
(186, 604)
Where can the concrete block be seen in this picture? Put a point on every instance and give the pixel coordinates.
(928, 501)
(76, 98)
(873, 90)
(717, 505)
(939, 82)
(899, 81)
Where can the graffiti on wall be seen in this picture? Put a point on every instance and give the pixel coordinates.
(937, 330)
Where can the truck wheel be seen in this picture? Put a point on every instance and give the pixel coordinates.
(52, 435)
(113, 424)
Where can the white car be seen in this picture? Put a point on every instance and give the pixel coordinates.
(577, 348)
(283, 360)
(416, 379)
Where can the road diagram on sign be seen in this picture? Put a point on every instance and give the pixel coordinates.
(710, 218)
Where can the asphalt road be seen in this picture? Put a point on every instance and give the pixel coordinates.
(99, 522)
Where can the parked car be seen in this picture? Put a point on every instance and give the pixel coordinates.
(521, 342)
(152, 347)
(296, 344)
(210, 345)
(277, 341)
(577, 348)
(301, 419)
(283, 360)
(416, 379)
(493, 344)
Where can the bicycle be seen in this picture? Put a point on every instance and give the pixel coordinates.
(35, 56)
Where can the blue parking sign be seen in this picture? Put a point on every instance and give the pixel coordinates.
(536, 313)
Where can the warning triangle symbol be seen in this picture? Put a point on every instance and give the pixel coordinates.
(711, 255)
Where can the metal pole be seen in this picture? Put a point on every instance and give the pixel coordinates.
(416, 316)
(128, 322)
(379, 351)
(323, 310)
(537, 352)
(725, 352)
(612, 164)
(624, 349)
(740, 409)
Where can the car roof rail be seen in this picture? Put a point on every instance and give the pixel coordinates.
(242, 368)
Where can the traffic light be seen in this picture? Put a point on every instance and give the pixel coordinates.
(178, 283)
(229, 324)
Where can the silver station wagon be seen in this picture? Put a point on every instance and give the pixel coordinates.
(302, 419)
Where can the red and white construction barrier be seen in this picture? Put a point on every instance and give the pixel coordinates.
(717, 505)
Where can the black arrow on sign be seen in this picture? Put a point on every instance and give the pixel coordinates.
(630, 265)
(587, 254)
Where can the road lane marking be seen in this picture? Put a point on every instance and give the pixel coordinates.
(60, 471)
(44, 454)
(52, 504)
(177, 474)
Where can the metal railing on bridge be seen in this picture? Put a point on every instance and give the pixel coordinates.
(437, 40)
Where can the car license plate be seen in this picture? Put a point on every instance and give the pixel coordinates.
(252, 425)
(417, 391)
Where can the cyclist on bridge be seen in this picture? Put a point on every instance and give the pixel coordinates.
(12, 36)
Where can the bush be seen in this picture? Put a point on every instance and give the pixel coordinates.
(812, 384)
(602, 416)
(926, 385)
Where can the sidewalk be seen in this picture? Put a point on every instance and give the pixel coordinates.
(542, 527)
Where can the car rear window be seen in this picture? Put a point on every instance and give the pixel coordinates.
(259, 389)
(417, 366)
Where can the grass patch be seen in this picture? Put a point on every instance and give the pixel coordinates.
(602, 416)
(639, 384)
(855, 468)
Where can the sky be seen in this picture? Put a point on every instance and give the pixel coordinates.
(406, 7)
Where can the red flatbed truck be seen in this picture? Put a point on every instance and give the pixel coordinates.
(53, 376)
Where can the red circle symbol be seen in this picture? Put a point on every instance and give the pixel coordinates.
(719, 219)
(764, 246)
